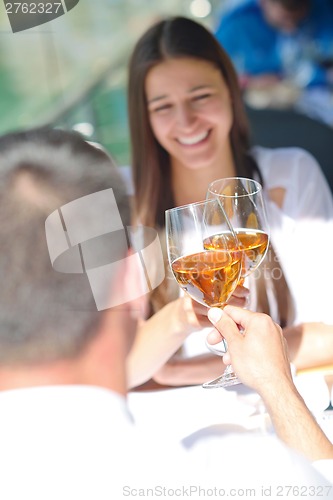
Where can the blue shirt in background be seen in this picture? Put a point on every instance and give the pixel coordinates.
(258, 48)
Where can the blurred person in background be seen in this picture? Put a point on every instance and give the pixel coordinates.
(188, 128)
(273, 40)
(65, 428)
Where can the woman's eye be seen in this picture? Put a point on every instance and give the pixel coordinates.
(161, 109)
(202, 97)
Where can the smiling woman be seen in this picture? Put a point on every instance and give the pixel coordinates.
(188, 128)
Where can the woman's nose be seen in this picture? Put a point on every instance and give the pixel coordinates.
(185, 116)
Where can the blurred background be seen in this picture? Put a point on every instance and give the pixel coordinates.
(71, 72)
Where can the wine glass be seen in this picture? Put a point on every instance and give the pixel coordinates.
(244, 206)
(209, 275)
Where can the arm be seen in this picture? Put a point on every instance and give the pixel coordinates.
(310, 339)
(259, 357)
(179, 371)
(310, 345)
(159, 337)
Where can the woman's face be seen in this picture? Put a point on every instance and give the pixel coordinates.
(189, 110)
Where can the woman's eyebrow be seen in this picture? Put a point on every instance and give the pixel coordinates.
(157, 98)
(201, 87)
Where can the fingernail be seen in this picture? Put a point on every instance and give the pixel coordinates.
(215, 314)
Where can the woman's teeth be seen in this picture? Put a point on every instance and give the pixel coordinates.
(189, 141)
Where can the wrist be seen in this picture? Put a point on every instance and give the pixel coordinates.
(183, 317)
(281, 390)
(175, 318)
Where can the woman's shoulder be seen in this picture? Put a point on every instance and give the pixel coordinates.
(282, 167)
(297, 172)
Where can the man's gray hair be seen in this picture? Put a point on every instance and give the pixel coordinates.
(44, 314)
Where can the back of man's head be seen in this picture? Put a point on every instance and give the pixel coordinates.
(44, 314)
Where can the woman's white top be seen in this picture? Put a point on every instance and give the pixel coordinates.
(301, 232)
(302, 229)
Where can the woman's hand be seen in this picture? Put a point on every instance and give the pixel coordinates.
(192, 316)
(159, 337)
(240, 297)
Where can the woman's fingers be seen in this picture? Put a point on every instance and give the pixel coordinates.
(240, 297)
(238, 301)
(241, 292)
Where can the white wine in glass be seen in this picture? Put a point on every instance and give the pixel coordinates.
(252, 243)
(209, 275)
(243, 203)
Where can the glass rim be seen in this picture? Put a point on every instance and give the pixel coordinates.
(256, 183)
(195, 203)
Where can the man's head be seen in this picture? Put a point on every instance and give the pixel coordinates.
(285, 15)
(46, 315)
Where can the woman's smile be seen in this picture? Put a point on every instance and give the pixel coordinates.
(194, 140)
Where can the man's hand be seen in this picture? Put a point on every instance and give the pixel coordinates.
(194, 315)
(256, 346)
(257, 350)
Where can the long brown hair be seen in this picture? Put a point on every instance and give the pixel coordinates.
(176, 37)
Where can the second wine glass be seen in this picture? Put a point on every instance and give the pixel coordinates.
(209, 275)
(243, 203)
